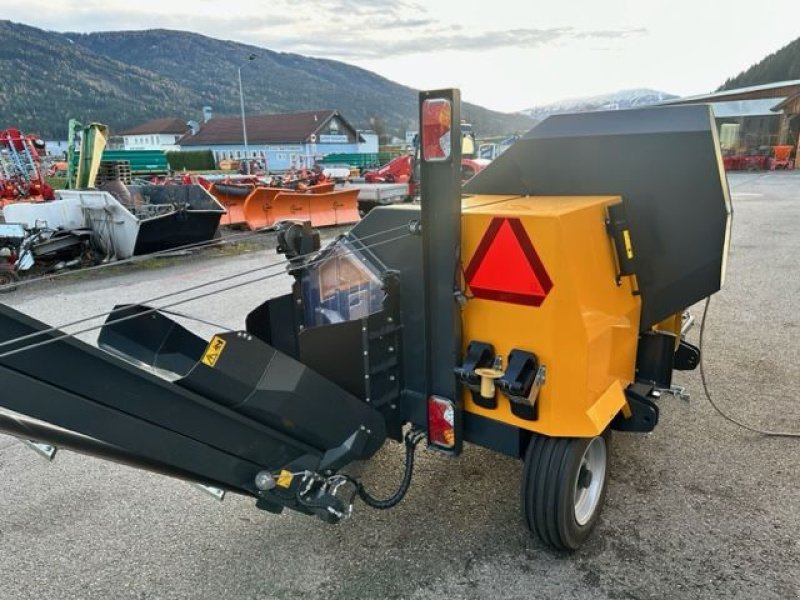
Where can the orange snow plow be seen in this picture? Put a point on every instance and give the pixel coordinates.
(335, 208)
(259, 204)
(265, 207)
(232, 196)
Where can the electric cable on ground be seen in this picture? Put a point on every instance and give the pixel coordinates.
(720, 412)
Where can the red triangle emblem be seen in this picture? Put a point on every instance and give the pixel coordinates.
(505, 267)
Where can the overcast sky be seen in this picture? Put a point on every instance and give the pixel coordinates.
(503, 54)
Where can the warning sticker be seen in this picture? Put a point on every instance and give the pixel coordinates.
(626, 235)
(285, 479)
(214, 351)
(506, 267)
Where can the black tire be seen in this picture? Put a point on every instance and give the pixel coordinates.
(557, 473)
(8, 281)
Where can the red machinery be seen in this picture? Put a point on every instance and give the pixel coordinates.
(397, 170)
(21, 175)
(781, 158)
(401, 169)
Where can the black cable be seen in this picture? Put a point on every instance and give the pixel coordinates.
(412, 438)
(278, 263)
(141, 257)
(57, 328)
(61, 336)
(720, 412)
(175, 313)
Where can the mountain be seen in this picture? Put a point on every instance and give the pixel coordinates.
(779, 66)
(615, 101)
(127, 77)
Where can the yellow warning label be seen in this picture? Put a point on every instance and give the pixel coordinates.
(284, 479)
(626, 235)
(214, 351)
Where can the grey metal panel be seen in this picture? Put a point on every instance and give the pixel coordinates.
(666, 165)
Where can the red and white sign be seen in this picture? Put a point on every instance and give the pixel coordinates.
(506, 267)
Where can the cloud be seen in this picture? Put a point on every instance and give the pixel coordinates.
(437, 38)
(339, 29)
(356, 8)
(610, 33)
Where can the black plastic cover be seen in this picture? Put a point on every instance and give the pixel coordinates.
(664, 162)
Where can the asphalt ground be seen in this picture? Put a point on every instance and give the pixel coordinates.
(697, 509)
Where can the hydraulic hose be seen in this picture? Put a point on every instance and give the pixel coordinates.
(412, 438)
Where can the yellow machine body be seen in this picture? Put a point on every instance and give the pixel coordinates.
(585, 330)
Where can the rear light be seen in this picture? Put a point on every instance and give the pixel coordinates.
(441, 422)
(436, 129)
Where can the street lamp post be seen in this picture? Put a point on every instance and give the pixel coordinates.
(241, 103)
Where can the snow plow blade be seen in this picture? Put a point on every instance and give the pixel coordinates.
(155, 396)
(267, 206)
(334, 208)
(233, 198)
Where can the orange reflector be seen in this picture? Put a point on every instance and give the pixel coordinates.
(441, 422)
(436, 126)
(505, 267)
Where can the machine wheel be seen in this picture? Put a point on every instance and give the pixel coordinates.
(563, 488)
(8, 278)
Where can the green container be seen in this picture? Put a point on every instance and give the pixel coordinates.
(360, 160)
(143, 162)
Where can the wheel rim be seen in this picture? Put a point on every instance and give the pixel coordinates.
(589, 480)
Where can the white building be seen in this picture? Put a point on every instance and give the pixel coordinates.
(281, 141)
(370, 143)
(159, 134)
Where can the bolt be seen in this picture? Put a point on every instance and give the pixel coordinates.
(366, 376)
(366, 353)
(391, 348)
(393, 406)
(389, 320)
(391, 377)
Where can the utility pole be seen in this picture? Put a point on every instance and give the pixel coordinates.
(241, 103)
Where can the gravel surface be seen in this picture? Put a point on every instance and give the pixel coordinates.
(697, 509)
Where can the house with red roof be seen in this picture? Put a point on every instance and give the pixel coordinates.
(282, 141)
(158, 134)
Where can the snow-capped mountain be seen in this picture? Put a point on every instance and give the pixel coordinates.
(614, 101)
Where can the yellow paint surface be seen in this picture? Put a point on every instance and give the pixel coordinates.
(585, 331)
